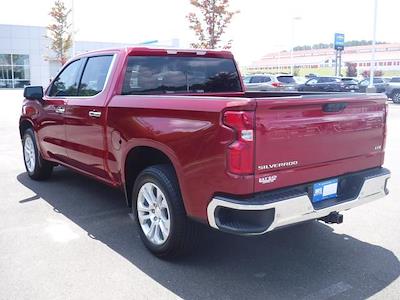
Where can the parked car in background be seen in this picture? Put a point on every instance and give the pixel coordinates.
(330, 84)
(393, 89)
(268, 82)
(300, 79)
(379, 83)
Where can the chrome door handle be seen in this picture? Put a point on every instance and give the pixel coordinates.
(94, 114)
(60, 109)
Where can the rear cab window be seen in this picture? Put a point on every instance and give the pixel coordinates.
(152, 75)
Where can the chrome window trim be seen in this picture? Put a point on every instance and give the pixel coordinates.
(106, 81)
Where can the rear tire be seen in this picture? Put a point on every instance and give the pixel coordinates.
(160, 214)
(36, 167)
(396, 97)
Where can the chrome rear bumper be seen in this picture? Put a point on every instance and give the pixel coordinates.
(257, 218)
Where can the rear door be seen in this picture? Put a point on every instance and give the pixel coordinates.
(302, 139)
(85, 118)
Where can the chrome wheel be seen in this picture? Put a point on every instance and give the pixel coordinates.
(396, 98)
(29, 154)
(153, 213)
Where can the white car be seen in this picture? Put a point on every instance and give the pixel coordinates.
(268, 82)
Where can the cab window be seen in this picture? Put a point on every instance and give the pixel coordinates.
(66, 83)
(94, 75)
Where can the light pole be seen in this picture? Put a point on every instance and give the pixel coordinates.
(371, 87)
(292, 43)
(279, 48)
(73, 27)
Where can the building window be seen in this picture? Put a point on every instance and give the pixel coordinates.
(14, 70)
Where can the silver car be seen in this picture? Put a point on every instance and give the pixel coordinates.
(393, 89)
(268, 82)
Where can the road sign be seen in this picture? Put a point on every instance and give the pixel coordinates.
(339, 41)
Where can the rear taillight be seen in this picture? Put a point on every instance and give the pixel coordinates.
(240, 154)
(386, 109)
(276, 84)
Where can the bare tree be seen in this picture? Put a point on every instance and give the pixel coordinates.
(210, 22)
(60, 34)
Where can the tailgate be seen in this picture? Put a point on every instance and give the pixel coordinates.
(307, 138)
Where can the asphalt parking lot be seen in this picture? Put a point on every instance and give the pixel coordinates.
(71, 238)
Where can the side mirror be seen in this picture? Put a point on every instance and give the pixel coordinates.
(33, 92)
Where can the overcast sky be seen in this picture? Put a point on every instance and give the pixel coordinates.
(262, 25)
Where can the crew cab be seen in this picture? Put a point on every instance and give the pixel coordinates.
(175, 130)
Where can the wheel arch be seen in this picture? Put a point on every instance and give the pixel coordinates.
(140, 157)
(24, 124)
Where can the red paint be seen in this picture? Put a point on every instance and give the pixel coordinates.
(189, 130)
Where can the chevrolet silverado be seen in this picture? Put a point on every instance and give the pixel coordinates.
(178, 133)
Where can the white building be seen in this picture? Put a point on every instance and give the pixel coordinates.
(387, 59)
(25, 57)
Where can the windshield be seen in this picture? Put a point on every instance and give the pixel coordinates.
(167, 74)
(246, 79)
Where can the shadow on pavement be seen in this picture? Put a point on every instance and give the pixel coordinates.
(306, 261)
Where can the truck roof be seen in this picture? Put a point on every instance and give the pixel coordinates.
(136, 50)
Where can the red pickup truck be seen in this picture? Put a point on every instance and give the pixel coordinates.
(175, 130)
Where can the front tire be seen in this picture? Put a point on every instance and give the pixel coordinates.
(160, 214)
(36, 167)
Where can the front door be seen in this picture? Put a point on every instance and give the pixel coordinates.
(85, 118)
(51, 129)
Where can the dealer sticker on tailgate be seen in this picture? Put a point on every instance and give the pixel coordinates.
(325, 190)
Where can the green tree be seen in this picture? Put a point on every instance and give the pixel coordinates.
(59, 31)
(210, 22)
